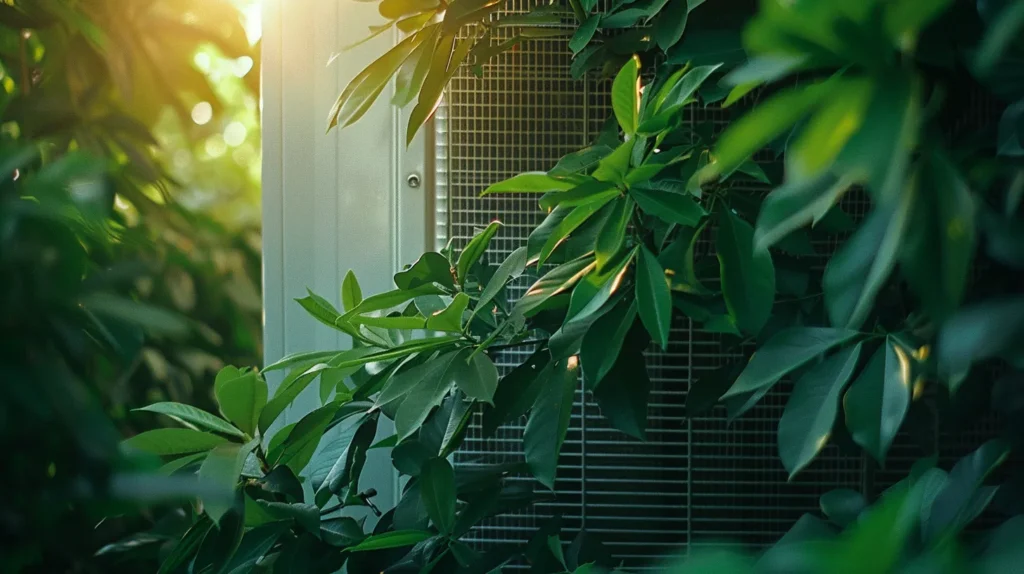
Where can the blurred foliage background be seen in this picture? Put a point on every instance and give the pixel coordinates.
(129, 250)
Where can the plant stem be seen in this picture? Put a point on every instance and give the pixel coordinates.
(519, 344)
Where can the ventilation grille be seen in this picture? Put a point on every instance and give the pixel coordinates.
(695, 480)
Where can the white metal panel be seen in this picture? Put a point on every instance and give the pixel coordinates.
(331, 201)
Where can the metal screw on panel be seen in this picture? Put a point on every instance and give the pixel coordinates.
(413, 180)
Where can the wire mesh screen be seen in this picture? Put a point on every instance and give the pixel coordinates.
(694, 480)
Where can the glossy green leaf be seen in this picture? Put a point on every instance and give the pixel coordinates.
(957, 504)
(748, 275)
(615, 165)
(242, 399)
(391, 299)
(220, 473)
(342, 531)
(393, 539)
(878, 400)
(173, 441)
(827, 131)
(806, 424)
(1001, 33)
(794, 205)
(670, 24)
(474, 374)
(448, 56)
(604, 340)
(475, 249)
(626, 96)
(859, 269)
(559, 280)
(585, 193)
(184, 549)
(398, 387)
(675, 95)
(450, 318)
(842, 505)
(580, 161)
(612, 235)
(306, 357)
(584, 33)
(298, 448)
(531, 182)
(425, 396)
(654, 301)
(767, 121)
(705, 392)
(437, 486)
(509, 269)
(668, 206)
(342, 479)
(624, 392)
(189, 416)
(764, 69)
(980, 331)
(577, 217)
(678, 259)
(431, 267)
(361, 92)
(783, 353)
(939, 242)
(876, 542)
(517, 391)
(410, 77)
(254, 546)
(549, 421)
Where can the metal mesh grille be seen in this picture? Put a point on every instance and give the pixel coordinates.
(695, 480)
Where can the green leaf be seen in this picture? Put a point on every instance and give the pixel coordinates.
(297, 449)
(615, 165)
(612, 235)
(806, 424)
(509, 269)
(342, 531)
(654, 301)
(448, 56)
(577, 217)
(254, 545)
(957, 504)
(584, 33)
(604, 340)
(708, 388)
(668, 206)
(342, 479)
(184, 549)
(474, 250)
(437, 486)
(431, 267)
(549, 421)
(1003, 30)
(395, 9)
(475, 375)
(361, 92)
(556, 282)
(876, 542)
(765, 122)
(624, 393)
(980, 331)
(674, 95)
(856, 273)
(313, 357)
(181, 463)
(795, 204)
(748, 275)
(517, 391)
(938, 248)
(426, 395)
(878, 400)
(412, 74)
(842, 505)
(390, 299)
(827, 131)
(587, 192)
(173, 441)
(242, 399)
(189, 415)
(351, 294)
(580, 161)
(670, 24)
(765, 68)
(450, 318)
(305, 515)
(220, 473)
(393, 539)
(398, 387)
(626, 96)
(678, 259)
(531, 182)
(784, 352)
